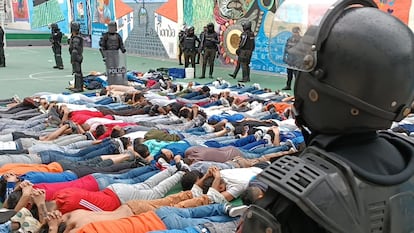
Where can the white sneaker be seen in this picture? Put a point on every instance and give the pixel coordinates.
(208, 128)
(235, 211)
(257, 86)
(268, 139)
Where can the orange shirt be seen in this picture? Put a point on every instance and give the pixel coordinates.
(23, 168)
(141, 223)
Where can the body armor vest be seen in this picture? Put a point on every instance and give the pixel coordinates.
(327, 190)
(112, 42)
(189, 43)
(249, 44)
(210, 40)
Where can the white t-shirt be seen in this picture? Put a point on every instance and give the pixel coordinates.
(237, 179)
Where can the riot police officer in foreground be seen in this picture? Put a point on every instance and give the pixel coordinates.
(76, 57)
(56, 40)
(356, 77)
(245, 50)
(209, 48)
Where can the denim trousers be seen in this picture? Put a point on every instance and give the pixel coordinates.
(180, 218)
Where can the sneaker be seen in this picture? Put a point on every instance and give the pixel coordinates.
(292, 145)
(268, 139)
(30, 224)
(232, 75)
(229, 127)
(286, 88)
(181, 166)
(21, 215)
(89, 136)
(208, 128)
(258, 134)
(224, 102)
(235, 211)
(257, 86)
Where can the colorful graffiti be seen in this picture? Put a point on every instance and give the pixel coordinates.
(398, 8)
(20, 10)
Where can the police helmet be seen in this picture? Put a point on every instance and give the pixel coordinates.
(353, 76)
(54, 26)
(74, 27)
(190, 30)
(112, 27)
(210, 27)
(247, 25)
(356, 75)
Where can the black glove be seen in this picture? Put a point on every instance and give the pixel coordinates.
(123, 50)
(238, 52)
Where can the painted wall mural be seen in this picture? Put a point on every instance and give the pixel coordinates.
(157, 22)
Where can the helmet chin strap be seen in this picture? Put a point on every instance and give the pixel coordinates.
(300, 122)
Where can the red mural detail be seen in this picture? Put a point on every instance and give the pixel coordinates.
(20, 10)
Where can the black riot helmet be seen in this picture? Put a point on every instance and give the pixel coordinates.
(355, 75)
(190, 31)
(210, 27)
(74, 27)
(247, 26)
(112, 27)
(54, 27)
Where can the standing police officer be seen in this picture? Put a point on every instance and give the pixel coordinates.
(111, 40)
(76, 57)
(2, 57)
(190, 42)
(356, 77)
(56, 40)
(109, 44)
(290, 58)
(245, 50)
(209, 49)
(181, 36)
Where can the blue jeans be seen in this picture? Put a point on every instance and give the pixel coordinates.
(133, 176)
(104, 148)
(49, 177)
(180, 218)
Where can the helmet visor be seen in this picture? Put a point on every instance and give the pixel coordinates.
(294, 31)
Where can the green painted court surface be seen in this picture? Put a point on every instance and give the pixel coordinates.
(29, 70)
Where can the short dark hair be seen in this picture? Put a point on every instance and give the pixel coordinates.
(100, 130)
(189, 179)
(141, 149)
(186, 113)
(45, 228)
(116, 133)
(250, 196)
(208, 182)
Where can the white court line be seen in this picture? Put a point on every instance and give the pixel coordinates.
(32, 76)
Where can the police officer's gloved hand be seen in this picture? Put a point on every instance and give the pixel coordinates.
(238, 51)
(218, 55)
(123, 50)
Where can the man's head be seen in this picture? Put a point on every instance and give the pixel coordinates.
(190, 31)
(247, 26)
(296, 30)
(74, 27)
(54, 27)
(356, 77)
(189, 179)
(112, 27)
(210, 27)
(141, 149)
